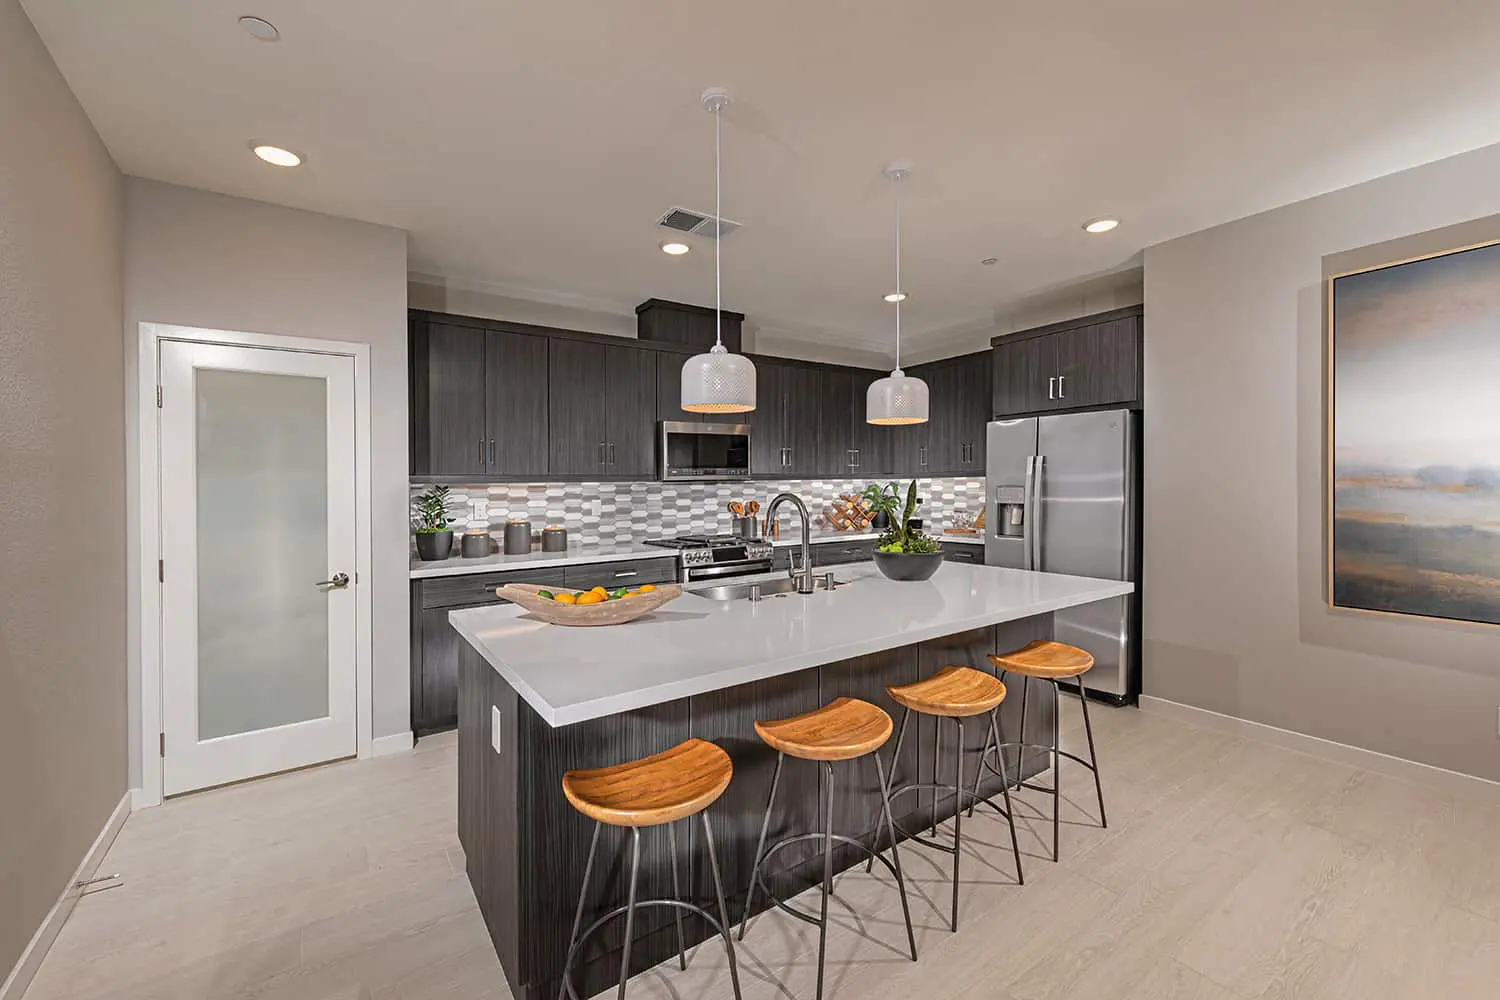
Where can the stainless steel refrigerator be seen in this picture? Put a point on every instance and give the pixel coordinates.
(1063, 498)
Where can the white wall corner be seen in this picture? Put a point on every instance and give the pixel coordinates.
(384, 746)
(25, 971)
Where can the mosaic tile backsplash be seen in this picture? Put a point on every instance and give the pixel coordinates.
(624, 512)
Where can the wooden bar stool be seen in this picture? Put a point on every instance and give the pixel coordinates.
(956, 693)
(1056, 662)
(653, 791)
(844, 729)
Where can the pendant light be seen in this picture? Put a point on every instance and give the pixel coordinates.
(898, 398)
(718, 382)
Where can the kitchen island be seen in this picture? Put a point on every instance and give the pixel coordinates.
(536, 700)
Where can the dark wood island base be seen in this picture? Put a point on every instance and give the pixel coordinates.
(525, 846)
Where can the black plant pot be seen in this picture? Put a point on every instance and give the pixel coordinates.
(434, 545)
(881, 521)
(906, 566)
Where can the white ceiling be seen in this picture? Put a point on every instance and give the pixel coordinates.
(529, 146)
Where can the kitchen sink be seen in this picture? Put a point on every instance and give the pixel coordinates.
(767, 588)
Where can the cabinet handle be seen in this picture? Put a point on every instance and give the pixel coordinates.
(611, 453)
(622, 574)
(1052, 387)
(856, 458)
(481, 452)
(922, 456)
(601, 452)
(1060, 393)
(492, 451)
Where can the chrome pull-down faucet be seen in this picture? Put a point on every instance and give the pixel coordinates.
(802, 574)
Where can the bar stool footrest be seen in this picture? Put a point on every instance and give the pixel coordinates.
(713, 921)
(838, 838)
(964, 793)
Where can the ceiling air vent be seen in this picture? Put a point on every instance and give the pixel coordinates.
(681, 220)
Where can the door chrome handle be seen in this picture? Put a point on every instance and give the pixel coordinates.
(339, 582)
(1060, 393)
(1052, 387)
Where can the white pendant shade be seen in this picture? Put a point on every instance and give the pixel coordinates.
(720, 382)
(896, 399)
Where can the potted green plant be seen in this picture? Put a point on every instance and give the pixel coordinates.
(904, 552)
(430, 521)
(881, 501)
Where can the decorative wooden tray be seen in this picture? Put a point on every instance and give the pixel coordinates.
(605, 613)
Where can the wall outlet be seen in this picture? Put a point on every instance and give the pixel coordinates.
(495, 727)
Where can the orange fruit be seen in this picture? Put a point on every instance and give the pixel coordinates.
(599, 590)
(592, 597)
(565, 598)
(646, 588)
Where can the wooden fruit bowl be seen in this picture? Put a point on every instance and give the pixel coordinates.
(604, 613)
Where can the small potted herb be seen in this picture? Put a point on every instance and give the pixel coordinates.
(881, 501)
(430, 520)
(904, 552)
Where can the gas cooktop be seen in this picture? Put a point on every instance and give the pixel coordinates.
(696, 541)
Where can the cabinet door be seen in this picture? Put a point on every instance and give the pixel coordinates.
(435, 695)
(835, 403)
(577, 445)
(448, 413)
(945, 448)
(1021, 371)
(803, 414)
(1099, 364)
(972, 410)
(669, 389)
(629, 412)
(874, 445)
(768, 422)
(515, 367)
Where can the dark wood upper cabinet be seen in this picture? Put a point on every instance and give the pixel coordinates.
(835, 398)
(450, 435)
(768, 420)
(576, 381)
(803, 415)
(664, 322)
(515, 377)
(874, 445)
(1085, 363)
(629, 412)
(669, 389)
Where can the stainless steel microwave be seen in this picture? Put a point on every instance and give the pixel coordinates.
(703, 453)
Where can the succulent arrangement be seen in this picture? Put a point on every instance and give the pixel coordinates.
(430, 511)
(905, 538)
(881, 500)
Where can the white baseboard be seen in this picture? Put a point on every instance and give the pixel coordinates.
(382, 746)
(141, 799)
(1316, 746)
(31, 959)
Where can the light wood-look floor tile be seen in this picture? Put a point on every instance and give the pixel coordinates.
(1231, 870)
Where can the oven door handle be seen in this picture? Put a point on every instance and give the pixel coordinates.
(738, 569)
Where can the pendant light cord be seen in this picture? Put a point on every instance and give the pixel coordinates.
(718, 238)
(899, 290)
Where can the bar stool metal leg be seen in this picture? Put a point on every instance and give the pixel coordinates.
(1093, 757)
(890, 822)
(1056, 766)
(827, 872)
(583, 892)
(958, 812)
(760, 848)
(676, 894)
(1010, 810)
(1021, 750)
(713, 866)
(635, 872)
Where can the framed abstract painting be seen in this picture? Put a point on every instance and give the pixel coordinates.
(1414, 436)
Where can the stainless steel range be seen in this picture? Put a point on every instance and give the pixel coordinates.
(712, 557)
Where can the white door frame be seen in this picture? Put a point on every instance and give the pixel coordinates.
(148, 529)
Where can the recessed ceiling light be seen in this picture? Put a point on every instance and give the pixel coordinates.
(1100, 225)
(276, 155)
(260, 28)
(674, 248)
(990, 260)
(895, 296)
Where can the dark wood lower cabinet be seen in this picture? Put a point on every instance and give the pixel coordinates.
(525, 847)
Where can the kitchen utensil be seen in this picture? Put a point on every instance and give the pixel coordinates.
(475, 544)
(745, 527)
(517, 536)
(752, 508)
(736, 508)
(604, 613)
(554, 538)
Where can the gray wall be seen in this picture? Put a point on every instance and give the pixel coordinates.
(199, 259)
(1234, 596)
(62, 486)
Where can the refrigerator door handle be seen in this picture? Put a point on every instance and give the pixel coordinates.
(1027, 512)
(1034, 511)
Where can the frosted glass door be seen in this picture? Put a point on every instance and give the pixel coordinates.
(257, 541)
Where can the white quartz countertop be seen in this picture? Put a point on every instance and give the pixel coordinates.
(603, 552)
(694, 645)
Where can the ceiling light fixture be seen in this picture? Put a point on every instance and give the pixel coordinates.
(895, 296)
(675, 249)
(990, 260)
(898, 398)
(259, 28)
(1100, 225)
(718, 382)
(276, 155)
